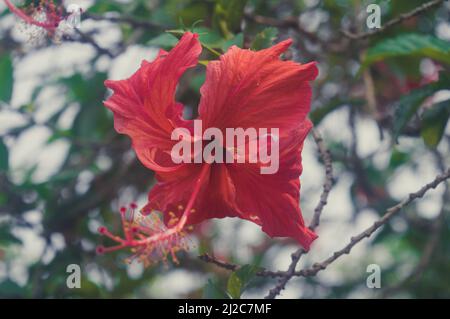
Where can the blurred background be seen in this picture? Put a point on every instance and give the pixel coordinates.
(381, 102)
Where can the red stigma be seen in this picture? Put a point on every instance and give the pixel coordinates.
(147, 236)
(100, 250)
(46, 16)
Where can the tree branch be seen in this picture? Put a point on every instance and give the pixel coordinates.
(326, 158)
(402, 17)
(309, 272)
(378, 224)
(88, 39)
(329, 179)
(432, 243)
(222, 264)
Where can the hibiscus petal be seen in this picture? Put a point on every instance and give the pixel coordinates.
(240, 190)
(144, 105)
(245, 89)
(256, 89)
(216, 198)
(272, 200)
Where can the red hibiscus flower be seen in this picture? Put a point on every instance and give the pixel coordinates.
(244, 89)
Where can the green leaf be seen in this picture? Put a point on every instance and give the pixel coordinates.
(105, 6)
(208, 37)
(238, 280)
(179, 33)
(164, 40)
(246, 273)
(409, 45)
(6, 78)
(238, 41)
(228, 16)
(398, 159)
(4, 157)
(408, 104)
(213, 291)
(85, 90)
(197, 81)
(91, 121)
(234, 286)
(434, 121)
(193, 12)
(264, 39)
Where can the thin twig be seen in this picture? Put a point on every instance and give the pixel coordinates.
(222, 264)
(232, 267)
(375, 226)
(328, 184)
(309, 272)
(329, 179)
(432, 243)
(326, 158)
(402, 17)
(86, 38)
